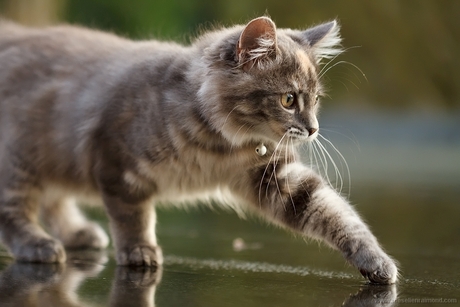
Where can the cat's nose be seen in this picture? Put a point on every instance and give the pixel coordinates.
(311, 131)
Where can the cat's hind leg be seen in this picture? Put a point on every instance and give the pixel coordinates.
(19, 229)
(65, 221)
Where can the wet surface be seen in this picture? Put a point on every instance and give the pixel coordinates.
(213, 258)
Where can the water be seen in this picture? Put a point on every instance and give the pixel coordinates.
(213, 258)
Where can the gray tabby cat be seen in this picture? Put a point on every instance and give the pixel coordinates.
(88, 115)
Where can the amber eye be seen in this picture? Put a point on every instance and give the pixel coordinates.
(287, 100)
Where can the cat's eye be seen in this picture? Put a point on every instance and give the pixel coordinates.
(316, 99)
(287, 100)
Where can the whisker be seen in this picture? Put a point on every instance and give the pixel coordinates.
(273, 175)
(315, 153)
(235, 135)
(287, 175)
(353, 139)
(228, 115)
(332, 59)
(342, 158)
(265, 172)
(342, 62)
(336, 169)
(323, 159)
(347, 80)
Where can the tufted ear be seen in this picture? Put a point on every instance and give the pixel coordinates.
(323, 40)
(257, 43)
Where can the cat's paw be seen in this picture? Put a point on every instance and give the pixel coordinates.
(372, 295)
(36, 273)
(41, 250)
(140, 255)
(138, 276)
(376, 266)
(385, 274)
(90, 236)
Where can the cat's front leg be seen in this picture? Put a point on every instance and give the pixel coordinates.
(133, 232)
(127, 199)
(296, 197)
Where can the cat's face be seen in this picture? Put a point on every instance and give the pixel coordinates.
(284, 99)
(272, 91)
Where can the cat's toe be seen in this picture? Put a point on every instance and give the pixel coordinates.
(140, 255)
(374, 264)
(90, 236)
(385, 272)
(41, 250)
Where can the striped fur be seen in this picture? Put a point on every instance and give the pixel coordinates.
(88, 115)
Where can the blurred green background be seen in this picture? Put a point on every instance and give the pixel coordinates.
(398, 128)
(407, 49)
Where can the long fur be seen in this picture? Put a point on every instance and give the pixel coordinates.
(89, 115)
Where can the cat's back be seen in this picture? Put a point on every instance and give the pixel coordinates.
(55, 48)
(65, 50)
(65, 61)
(65, 39)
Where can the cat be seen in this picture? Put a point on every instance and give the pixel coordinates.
(60, 284)
(86, 115)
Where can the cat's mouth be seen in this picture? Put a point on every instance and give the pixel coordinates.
(302, 135)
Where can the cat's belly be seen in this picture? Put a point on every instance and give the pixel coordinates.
(84, 195)
(220, 195)
(177, 193)
(185, 181)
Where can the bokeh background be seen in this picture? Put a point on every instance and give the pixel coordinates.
(393, 112)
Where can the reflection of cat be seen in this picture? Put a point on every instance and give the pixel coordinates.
(59, 285)
(372, 296)
(56, 285)
(86, 114)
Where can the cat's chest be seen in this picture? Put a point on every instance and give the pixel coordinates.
(199, 171)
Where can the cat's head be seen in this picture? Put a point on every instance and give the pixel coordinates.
(263, 83)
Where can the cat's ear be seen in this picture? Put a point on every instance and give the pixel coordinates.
(323, 40)
(257, 43)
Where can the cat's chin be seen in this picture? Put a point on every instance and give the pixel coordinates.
(291, 141)
(300, 140)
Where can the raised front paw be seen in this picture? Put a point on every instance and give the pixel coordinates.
(140, 255)
(376, 266)
(41, 250)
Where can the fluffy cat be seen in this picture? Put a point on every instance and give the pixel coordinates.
(89, 115)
